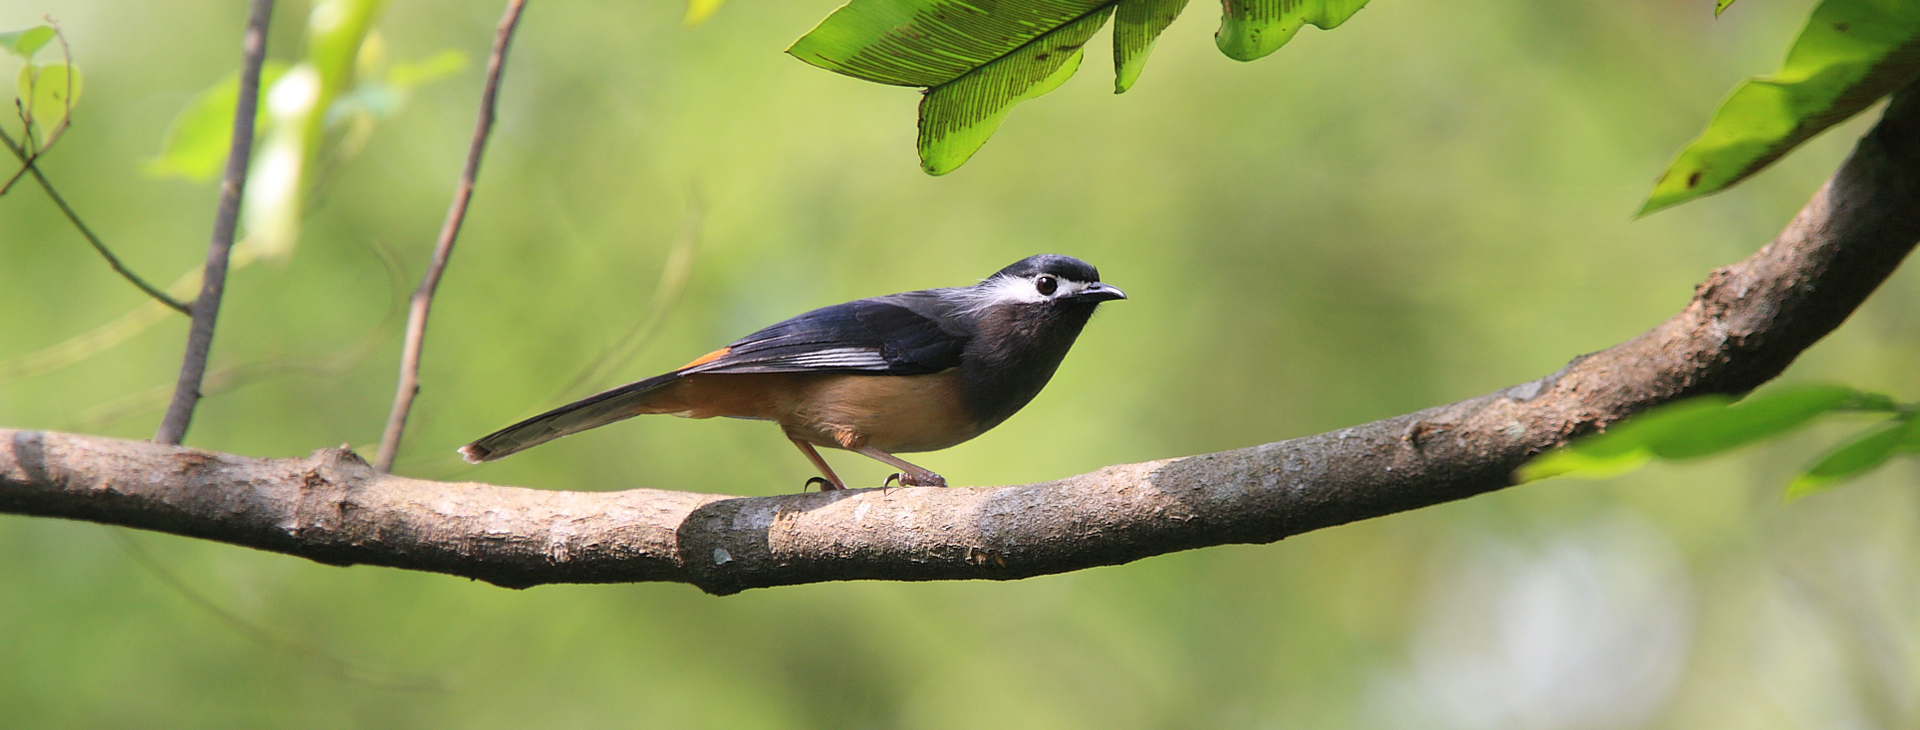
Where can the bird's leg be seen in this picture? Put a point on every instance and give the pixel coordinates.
(910, 475)
(832, 481)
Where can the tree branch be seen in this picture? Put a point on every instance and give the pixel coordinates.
(206, 309)
(1745, 324)
(422, 300)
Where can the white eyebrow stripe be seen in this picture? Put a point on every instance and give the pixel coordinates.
(1012, 290)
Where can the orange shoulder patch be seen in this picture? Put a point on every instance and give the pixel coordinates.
(707, 358)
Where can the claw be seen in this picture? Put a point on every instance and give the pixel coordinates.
(928, 479)
(894, 477)
(825, 486)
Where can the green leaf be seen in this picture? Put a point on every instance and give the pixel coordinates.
(976, 59)
(957, 117)
(1251, 29)
(1624, 446)
(49, 92)
(1720, 6)
(1709, 432)
(1858, 457)
(1136, 25)
(931, 42)
(1698, 427)
(1576, 463)
(1850, 54)
(196, 144)
(699, 10)
(26, 42)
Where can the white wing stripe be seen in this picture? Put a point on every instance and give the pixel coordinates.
(837, 357)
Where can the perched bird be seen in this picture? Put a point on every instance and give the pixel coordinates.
(914, 371)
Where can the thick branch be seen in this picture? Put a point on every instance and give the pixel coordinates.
(422, 302)
(213, 283)
(1744, 325)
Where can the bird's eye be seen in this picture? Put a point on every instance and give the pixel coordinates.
(1046, 285)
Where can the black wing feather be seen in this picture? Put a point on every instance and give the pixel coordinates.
(882, 336)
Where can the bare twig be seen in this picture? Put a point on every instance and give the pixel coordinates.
(206, 309)
(1745, 325)
(27, 164)
(422, 300)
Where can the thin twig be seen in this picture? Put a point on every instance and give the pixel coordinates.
(186, 392)
(229, 377)
(25, 110)
(422, 300)
(74, 218)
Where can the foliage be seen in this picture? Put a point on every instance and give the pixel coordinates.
(1712, 425)
(45, 92)
(1851, 54)
(324, 105)
(195, 145)
(978, 61)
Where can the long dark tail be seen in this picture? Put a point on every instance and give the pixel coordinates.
(590, 412)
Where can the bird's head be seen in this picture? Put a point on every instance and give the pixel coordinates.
(1048, 280)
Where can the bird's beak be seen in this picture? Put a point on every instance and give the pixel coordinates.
(1100, 293)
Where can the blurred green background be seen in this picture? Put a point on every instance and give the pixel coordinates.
(1427, 204)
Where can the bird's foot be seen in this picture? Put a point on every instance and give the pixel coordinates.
(910, 479)
(825, 486)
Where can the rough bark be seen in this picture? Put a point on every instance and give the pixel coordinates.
(1745, 324)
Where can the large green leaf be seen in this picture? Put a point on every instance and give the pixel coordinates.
(931, 42)
(1136, 25)
(1850, 54)
(958, 116)
(977, 59)
(1251, 29)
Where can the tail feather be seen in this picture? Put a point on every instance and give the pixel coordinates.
(590, 412)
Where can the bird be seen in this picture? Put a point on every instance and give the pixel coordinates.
(903, 373)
